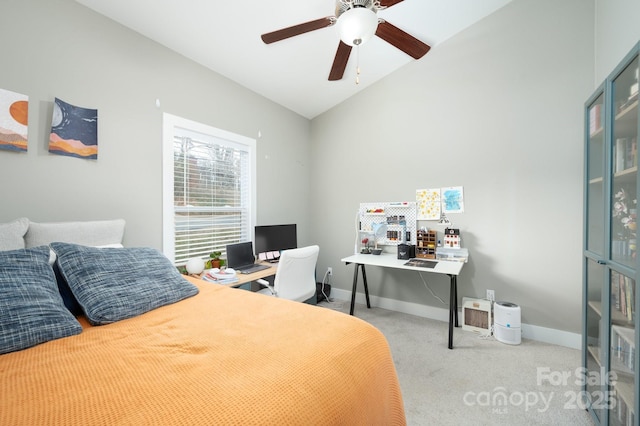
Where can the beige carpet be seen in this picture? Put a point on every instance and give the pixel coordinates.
(481, 381)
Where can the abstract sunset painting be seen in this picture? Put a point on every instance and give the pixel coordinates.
(74, 131)
(14, 113)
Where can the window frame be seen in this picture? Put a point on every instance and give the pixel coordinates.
(173, 126)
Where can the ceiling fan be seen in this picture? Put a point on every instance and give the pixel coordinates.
(357, 22)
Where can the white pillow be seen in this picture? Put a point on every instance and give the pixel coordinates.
(12, 234)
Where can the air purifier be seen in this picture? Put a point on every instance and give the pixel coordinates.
(507, 326)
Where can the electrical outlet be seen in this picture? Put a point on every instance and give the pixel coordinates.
(330, 270)
(491, 295)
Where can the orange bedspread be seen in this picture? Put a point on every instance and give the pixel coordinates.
(225, 356)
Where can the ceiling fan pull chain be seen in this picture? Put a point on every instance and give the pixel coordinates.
(358, 64)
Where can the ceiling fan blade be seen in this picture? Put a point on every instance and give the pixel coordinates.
(298, 29)
(403, 41)
(389, 3)
(340, 61)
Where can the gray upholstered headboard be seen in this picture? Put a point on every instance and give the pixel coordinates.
(22, 233)
(89, 233)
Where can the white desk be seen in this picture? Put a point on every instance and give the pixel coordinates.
(247, 278)
(389, 260)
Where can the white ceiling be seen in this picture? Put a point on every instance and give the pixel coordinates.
(225, 37)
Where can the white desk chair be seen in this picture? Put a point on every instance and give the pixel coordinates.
(296, 275)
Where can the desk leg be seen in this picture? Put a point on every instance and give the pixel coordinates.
(366, 287)
(453, 307)
(455, 287)
(355, 287)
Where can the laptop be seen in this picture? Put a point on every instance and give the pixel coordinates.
(240, 257)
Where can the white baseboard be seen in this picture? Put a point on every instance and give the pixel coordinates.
(552, 335)
(533, 332)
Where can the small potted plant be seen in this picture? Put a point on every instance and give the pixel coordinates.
(215, 261)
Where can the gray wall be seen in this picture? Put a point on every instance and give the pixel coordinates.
(58, 48)
(497, 109)
(617, 31)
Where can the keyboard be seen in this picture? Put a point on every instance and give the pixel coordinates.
(252, 269)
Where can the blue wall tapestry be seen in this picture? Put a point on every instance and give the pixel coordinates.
(74, 131)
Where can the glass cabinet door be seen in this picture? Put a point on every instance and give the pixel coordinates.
(595, 247)
(623, 352)
(624, 162)
(624, 166)
(594, 335)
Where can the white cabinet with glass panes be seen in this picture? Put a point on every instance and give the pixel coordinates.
(610, 261)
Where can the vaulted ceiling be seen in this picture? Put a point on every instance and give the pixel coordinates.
(225, 37)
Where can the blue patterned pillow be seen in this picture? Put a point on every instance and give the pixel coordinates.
(112, 284)
(31, 309)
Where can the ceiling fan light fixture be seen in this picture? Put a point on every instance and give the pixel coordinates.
(357, 25)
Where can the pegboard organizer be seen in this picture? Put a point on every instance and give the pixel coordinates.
(393, 214)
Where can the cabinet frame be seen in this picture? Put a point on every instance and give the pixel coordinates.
(620, 119)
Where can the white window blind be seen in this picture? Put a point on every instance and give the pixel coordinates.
(212, 194)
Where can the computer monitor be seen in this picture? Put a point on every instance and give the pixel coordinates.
(274, 238)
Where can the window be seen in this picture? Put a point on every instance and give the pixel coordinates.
(208, 189)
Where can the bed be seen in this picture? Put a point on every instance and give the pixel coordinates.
(214, 355)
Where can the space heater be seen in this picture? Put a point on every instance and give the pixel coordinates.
(476, 315)
(507, 328)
